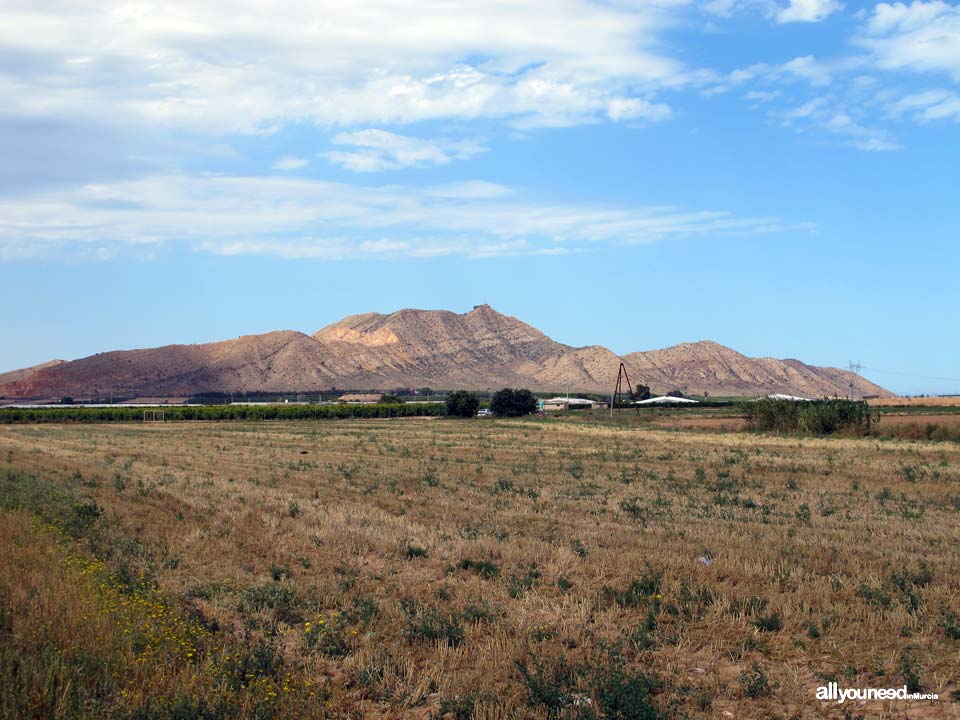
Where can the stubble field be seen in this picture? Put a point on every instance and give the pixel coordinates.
(472, 569)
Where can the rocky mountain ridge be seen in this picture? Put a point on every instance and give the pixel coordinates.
(478, 350)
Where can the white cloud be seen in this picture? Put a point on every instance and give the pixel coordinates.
(636, 109)
(762, 95)
(290, 162)
(808, 10)
(187, 64)
(292, 217)
(381, 150)
(920, 36)
(827, 119)
(810, 69)
(930, 105)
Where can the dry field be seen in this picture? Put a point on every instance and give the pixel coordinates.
(947, 401)
(472, 569)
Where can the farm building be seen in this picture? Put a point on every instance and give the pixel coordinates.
(559, 404)
(666, 400)
(359, 398)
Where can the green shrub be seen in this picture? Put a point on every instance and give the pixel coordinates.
(755, 682)
(815, 417)
(483, 568)
(428, 624)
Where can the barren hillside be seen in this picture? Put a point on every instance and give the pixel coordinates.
(479, 349)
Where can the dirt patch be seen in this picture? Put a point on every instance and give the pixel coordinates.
(718, 424)
(894, 419)
(952, 401)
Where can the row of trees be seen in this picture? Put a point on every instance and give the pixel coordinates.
(508, 402)
(218, 412)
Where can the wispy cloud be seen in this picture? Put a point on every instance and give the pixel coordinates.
(377, 150)
(189, 65)
(930, 105)
(919, 36)
(807, 10)
(290, 162)
(306, 218)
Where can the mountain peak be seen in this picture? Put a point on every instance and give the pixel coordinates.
(483, 309)
(478, 349)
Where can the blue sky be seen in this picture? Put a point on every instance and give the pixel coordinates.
(776, 175)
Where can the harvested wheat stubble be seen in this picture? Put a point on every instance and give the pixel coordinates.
(523, 569)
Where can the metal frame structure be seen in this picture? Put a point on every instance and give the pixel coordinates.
(618, 390)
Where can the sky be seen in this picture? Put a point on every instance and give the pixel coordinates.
(780, 176)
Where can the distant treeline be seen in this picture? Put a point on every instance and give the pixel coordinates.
(218, 412)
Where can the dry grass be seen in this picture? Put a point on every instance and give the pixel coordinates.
(511, 569)
(946, 401)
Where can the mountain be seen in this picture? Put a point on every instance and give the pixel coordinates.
(480, 349)
(710, 367)
(18, 375)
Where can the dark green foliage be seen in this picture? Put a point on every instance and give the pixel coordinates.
(643, 392)
(910, 670)
(428, 624)
(481, 613)
(459, 707)
(623, 694)
(415, 551)
(390, 400)
(187, 708)
(513, 403)
(638, 593)
(755, 682)
(578, 547)
(950, 624)
(279, 599)
(461, 403)
(816, 417)
(549, 686)
(769, 623)
(483, 568)
(176, 413)
(517, 585)
(603, 688)
(251, 663)
(328, 639)
(21, 491)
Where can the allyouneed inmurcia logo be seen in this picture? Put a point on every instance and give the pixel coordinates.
(832, 691)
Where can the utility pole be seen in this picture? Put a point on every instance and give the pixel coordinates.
(855, 368)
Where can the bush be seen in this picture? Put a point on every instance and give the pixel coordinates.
(513, 403)
(428, 624)
(755, 682)
(461, 403)
(483, 568)
(814, 417)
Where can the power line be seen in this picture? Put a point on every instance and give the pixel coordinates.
(913, 375)
(855, 368)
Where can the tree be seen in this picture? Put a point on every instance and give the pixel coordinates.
(676, 394)
(643, 392)
(461, 403)
(392, 399)
(513, 403)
